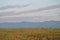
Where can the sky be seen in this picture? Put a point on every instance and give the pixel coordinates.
(29, 10)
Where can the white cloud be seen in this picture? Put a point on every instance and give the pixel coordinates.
(24, 14)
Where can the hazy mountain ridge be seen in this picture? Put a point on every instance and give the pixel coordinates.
(46, 24)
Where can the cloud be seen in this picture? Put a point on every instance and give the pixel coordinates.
(36, 17)
(13, 6)
(25, 10)
(40, 14)
(42, 9)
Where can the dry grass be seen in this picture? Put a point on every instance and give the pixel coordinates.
(30, 34)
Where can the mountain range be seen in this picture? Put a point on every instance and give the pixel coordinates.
(46, 24)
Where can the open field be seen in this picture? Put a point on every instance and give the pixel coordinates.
(30, 34)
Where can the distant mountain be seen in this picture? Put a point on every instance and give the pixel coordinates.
(46, 24)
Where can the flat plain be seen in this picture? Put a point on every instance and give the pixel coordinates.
(29, 33)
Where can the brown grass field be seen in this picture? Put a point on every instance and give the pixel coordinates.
(29, 33)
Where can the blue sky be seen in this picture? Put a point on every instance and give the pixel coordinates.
(24, 10)
(22, 2)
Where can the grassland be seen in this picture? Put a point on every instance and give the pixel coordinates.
(29, 33)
